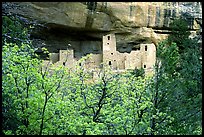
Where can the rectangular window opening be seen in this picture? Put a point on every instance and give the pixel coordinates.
(109, 63)
(131, 7)
(145, 48)
(108, 37)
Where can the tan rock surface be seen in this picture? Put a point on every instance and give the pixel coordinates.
(137, 22)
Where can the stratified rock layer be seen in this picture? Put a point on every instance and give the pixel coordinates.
(132, 22)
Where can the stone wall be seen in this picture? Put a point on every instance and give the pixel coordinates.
(109, 50)
(54, 57)
(143, 56)
(148, 55)
(81, 49)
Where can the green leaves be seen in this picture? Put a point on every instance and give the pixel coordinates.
(176, 83)
(169, 57)
(180, 32)
(13, 31)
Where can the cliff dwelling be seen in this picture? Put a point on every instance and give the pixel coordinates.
(141, 55)
(135, 27)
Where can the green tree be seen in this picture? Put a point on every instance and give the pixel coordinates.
(179, 33)
(26, 86)
(191, 83)
(177, 85)
(162, 86)
(13, 31)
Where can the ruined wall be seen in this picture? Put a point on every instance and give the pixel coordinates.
(54, 57)
(133, 60)
(109, 50)
(94, 62)
(151, 55)
(143, 56)
(67, 57)
(148, 55)
(77, 51)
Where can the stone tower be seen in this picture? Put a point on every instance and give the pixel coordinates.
(109, 50)
(148, 56)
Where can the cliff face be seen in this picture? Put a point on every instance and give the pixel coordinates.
(60, 23)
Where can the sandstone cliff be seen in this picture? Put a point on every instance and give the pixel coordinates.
(60, 23)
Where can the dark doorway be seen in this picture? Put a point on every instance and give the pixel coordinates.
(109, 63)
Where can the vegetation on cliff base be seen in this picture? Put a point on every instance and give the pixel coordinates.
(41, 101)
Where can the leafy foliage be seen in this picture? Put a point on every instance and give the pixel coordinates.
(177, 85)
(180, 33)
(138, 72)
(13, 31)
